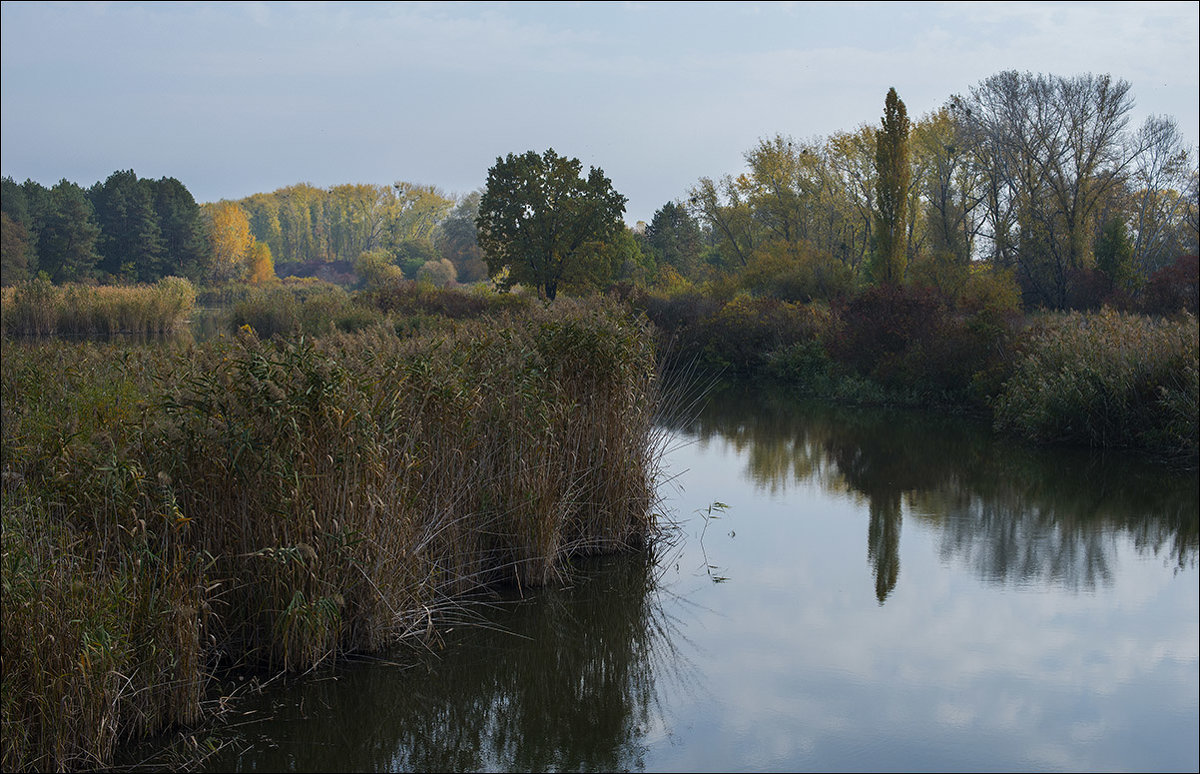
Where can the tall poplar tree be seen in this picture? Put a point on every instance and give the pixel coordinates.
(891, 192)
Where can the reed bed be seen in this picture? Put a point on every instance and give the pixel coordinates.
(39, 308)
(271, 504)
(1107, 379)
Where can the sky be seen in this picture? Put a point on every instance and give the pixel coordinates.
(239, 98)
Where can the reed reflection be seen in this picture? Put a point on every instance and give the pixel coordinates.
(569, 683)
(1013, 514)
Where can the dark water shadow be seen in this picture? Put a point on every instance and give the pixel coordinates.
(562, 680)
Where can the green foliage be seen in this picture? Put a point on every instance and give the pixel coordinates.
(1107, 380)
(914, 341)
(128, 229)
(804, 366)
(458, 242)
(66, 232)
(304, 224)
(538, 219)
(311, 309)
(17, 257)
(891, 193)
(130, 243)
(673, 237)
(796, 272)
(744, 333)
(376, 268)
(1114, 254)
(412, 254)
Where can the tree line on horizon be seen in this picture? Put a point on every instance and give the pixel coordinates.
(1035, 175)
(128, 229)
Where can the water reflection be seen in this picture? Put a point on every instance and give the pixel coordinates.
(1013, 514)
(573, 689)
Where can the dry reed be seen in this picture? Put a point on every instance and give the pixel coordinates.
(275, 503)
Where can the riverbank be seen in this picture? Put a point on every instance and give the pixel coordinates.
(177, 509)
(1101, 379)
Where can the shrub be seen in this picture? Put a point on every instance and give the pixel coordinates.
(914, 341)
(796, 272)
(1174, 288)
(744, 333)
(1107, 380)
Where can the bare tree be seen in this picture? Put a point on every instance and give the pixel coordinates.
(1158, 182)
(1055, 149)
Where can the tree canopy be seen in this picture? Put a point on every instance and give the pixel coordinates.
(538, 216)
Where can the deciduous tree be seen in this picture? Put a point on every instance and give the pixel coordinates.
(538, 215)
(892, 176)
(231, 240)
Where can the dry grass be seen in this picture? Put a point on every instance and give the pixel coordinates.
(274, 504)
(1107, 379)
(38, 308)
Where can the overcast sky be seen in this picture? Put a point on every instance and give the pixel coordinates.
(234, 99)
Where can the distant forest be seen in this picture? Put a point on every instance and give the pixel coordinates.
(130, 229)
(1037, 175)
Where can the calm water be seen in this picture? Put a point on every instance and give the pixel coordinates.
(880, 591)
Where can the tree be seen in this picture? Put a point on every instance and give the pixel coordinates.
(457, 240)
(130, 244)
(951, 186)
(1160, 172)
(1054, 149)
(20, 233)
(723, 208)
(1114, 254)
(359, 215)
(849, 199)
(260, 267)
(537, 215)
(229, 234)
(439, 272)
(14, 251)
(771, 188)
(412, 254)
(66, 231)
(891, 192)
(418, 210)
(181, 226)
(674, 238)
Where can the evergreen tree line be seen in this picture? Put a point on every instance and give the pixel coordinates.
(125, 229)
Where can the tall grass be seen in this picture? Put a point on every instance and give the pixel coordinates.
(1107, 380)
(274, 504)
(38, 308)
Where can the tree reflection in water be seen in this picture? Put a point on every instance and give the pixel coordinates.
(571, 692)
(1012, 513)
